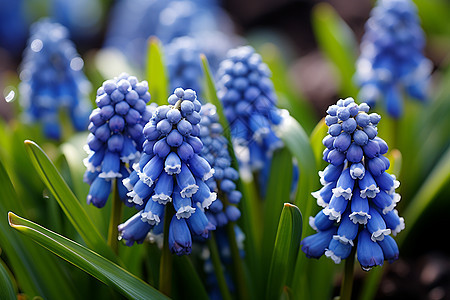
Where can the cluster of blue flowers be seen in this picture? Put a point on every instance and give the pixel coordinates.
(134, 21)
(223, 182)
(182, 57)
(249, 102)
(171, 170)
(358, 196)
(391, 60)
(52, 79)
(116, 137)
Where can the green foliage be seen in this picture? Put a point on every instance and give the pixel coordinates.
(285, 250)
(155, 72)
(67, 200)
(87, 260)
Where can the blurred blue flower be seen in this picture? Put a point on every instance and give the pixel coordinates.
(116, 137)
(52, 79)
(132, 22)
(13, 26)
(223, 182)
(358, 196)
(189, 18)
(391, 60)
(182, 57)
(249, 101)
(171, 170)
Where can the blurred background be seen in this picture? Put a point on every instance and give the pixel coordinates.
(111, 36)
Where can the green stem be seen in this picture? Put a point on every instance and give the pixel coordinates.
(347, 281)
(218, 268)
(238, 268)
(165, 267)
(115, 219)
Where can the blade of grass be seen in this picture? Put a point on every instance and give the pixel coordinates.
(94, 264)
(67, 200)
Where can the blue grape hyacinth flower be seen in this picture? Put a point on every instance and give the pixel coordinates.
(358, 196)
(116, 137)
(171, 172)
(391, 60)
(215, 150)
(52, 79)
(249, 101)
(182, 57)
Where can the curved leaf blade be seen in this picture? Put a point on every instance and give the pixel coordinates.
(287, 243)
(31, 265)
(67, 200)
(87, 260)
(7, 287)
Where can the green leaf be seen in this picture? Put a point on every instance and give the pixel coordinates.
(155, 72)
(337, 42)
(211, 97)
(192, 285)
(67, 200)
(296, 140)
(287, 243)
(435, 181)
(8, 290)
(278, 192)
(94, 264)
(317, 135)
(35, 271)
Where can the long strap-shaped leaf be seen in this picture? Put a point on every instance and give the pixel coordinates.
(67, 200)
(87, 260)
(30, 264)
(7, 287)
(155, 72)
(285, 251)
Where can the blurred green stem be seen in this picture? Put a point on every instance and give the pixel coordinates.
(347, 281)
(115, 219)
(218, 268)
(238, 268)
(165, 267)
